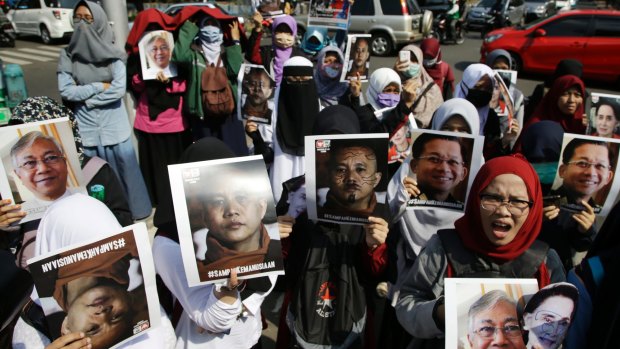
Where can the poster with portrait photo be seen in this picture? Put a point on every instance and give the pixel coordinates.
(502, 101)
(268, 8)
(603, 113)
(586, 172)
(255, 93)
(357, 58)
(333, 14)
(116, 274)
(346, 177)
(399, 146)
(474, 307)
(45, 167)
(226, 218)
(444, 164)
(155, 54)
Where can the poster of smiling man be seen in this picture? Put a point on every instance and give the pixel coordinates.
(226, 219)
(39, 165)
(104, 288)
(155, 54)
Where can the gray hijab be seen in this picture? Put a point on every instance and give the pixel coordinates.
(91, 49)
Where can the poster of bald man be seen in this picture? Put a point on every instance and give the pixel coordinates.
(477, 310)
(346, 177)
(226, 218)
(39, 165)
(103, 287)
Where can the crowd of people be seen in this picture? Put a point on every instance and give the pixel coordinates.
(345, 286)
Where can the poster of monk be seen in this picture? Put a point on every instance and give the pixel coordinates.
(113, 276)
(226, 219)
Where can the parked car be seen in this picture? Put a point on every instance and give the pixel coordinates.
(48, 19)
(535, 9)
(435, 6)
(392, 23)
(511, 11)
(591, 36)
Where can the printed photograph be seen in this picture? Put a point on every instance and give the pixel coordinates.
(255, 94)
(444, 165)
(477, 309)
(39, 165)
(603, 112)
(155, 54)
(357, 58)
(346, 177)
(586, 174)
(226, 219)
(105, 289)
(332, 14)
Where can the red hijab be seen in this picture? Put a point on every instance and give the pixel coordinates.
(469, 227)
(548, 107)
(431, 49)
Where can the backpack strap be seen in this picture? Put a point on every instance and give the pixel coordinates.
(419, 98)
(92, 167)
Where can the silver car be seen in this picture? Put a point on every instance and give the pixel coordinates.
(390, 23)
(48, 19)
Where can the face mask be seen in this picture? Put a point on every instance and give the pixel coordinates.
(479, 98)
(332, 71)
(284, 40)
(388, 100)
(210, 34)
(429, 63)
(546, 171)
(413, 71)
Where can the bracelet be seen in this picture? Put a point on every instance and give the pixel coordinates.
(226, 288)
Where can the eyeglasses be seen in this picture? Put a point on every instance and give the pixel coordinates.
(516, 207)
(87, 19)
(254, 85)
(551, 324)
(438, 161)
(48, 160)
(490, 331)
(160, 49)
(586, 165)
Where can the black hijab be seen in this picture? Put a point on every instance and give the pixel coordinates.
(336, 119)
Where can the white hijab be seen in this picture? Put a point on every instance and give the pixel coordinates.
(472, 74)
(377, 82)
(456, 106)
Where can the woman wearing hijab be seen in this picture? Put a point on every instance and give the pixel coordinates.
(496, 237)
(92, 77)
(314, 40)
(542, 145)
(329, 63)
(273, 57)
(416, 227)
(564, 104)
(298, 104)
(197, 47)
(440, 71)
(67, 222)
(208, 318)
(420, 93)
(501, 59)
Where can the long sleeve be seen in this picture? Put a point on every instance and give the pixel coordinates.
(253, 55)
(419, 292)
(117, 89)
(73, 92)
(198, 302)
(182, 53)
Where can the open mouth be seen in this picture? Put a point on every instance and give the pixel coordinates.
(500, 229)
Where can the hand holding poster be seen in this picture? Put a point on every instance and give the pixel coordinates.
(502, 99)
(39, 165)
(226, 219)
(346, 177)
(155, 53)
(603, 114)
(442, 168)
(357, 58)
(114, 276)
(255, 93)
(476, 309)
(329, 13)
(586, 174)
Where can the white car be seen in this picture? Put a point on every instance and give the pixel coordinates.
(48, 19)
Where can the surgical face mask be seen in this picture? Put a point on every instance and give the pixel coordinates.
(413, 71)
(429, 63)
(388, 100)
(546, 171)
(333, 70)
(210, 34)
(284, 40)
(479, 98)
